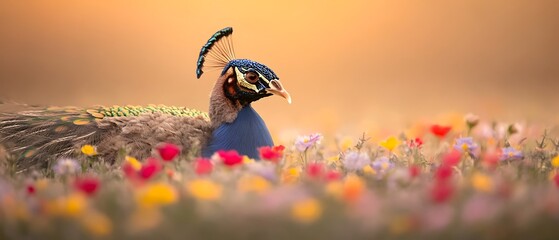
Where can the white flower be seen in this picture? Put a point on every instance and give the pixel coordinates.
(355, 160)
(66, 166)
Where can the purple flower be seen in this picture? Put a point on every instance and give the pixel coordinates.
(302, 143)
(465, 144)
(66, 166)
(382, 164)
(510, 153)
(355, 160)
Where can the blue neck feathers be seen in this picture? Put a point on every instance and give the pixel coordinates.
(246, 134)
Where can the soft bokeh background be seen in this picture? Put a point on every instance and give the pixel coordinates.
(351, 66)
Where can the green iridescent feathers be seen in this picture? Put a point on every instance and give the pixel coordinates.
(217, 52)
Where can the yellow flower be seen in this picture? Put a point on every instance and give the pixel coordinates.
(290, 175)
(137, 165)
(89, 150)
(400, 225)
(555, 162)
(96, 223)
(156, 194)
(41, 184)
(204, 189)
(306, 211)
(334, 188)
(256, 184)
(369, 170)
(247, 160)
(346, 144)
(482, 182)
(14, 209)
(390, 143)
(144, 219)
(68, 206)
(333, 160)
(353, 188)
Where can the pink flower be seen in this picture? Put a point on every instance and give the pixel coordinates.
(87, 185)
(452, 158)
(302, 143)
(150, 168)
(168, 151)
(443, 173)
(441, 192)
(229, 158)
(314, 170)
(332, 175)
(414, 171)
(203, 166)
(273, 154)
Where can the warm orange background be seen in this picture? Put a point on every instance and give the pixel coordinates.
(350, 66)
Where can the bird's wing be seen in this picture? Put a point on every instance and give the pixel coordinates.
(36, 137)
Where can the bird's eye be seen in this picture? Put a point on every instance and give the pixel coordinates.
(251, 77)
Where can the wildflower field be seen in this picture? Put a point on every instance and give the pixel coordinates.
(483, 180)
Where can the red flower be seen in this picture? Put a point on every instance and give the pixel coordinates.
(88, 185)
(128, 170)
(273, 154)
(452, 158)
(168, 151)
(332, 175)
(556, 179)
(229, 158)
(417, 142)
(440, 131)
(414, 171)
(491, 160)
(441, 192)
(314, 170)
(203, 166)
(151, 167)
(30, 189)
(443, 173)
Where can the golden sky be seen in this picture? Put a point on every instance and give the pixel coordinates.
(352, 66)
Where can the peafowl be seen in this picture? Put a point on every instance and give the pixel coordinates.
(39, 136)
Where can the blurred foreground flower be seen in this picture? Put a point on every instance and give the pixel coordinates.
(168, 151)
(307, 210)
(229, 158)
(440, 131)
(66, 166)
(203, 166)
(482, 182)
(96, 223)
(390, 143)
(273, 154)
(465, 144)
(204, 189)
(353, 188)
(381, 165)
(354, 160)
(510, 153)
(302, 143)
(156, 194)
(87, 184)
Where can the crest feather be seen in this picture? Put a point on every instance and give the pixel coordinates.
(217, 52)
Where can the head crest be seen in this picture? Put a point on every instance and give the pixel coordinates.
(217, 52)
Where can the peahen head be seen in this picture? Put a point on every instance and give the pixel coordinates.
(245, 81)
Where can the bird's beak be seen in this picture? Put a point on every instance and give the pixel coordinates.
(277, 89)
